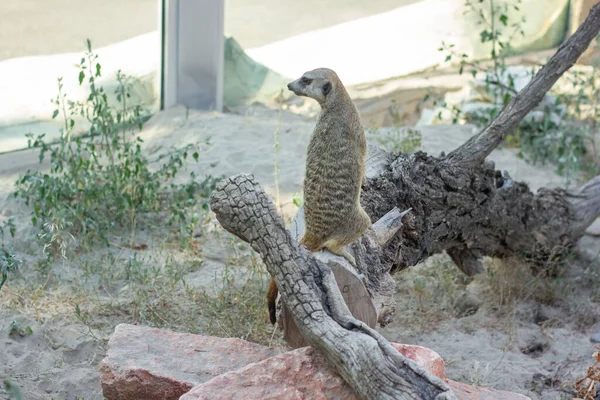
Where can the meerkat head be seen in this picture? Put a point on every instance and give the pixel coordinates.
(317, 84)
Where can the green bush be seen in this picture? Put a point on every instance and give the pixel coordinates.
(103, 180)
(540, 140)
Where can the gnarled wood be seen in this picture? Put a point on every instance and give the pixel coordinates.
(372, 367)
(370, 306)
(460, 204)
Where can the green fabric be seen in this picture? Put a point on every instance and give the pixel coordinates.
(246, 81)
(545, 27)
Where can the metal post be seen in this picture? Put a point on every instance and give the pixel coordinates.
(192, 54)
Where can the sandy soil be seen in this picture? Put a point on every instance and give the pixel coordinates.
(499, 330)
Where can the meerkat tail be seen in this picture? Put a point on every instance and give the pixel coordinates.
(271, 297)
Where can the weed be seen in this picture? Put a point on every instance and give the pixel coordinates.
(16, 329)
(399, 140)
(13, 391)
(298, 198)
(103, 181)
(8, 260)
(549, 135)
(498, 32)
(238, 309)
(479, 376)
(512, 281)
(419, 287)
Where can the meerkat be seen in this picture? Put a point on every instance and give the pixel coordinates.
(334, 171)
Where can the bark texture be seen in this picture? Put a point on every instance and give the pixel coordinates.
(458, 203)
(368, 362)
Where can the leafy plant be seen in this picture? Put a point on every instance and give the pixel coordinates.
(103, 180)
(238, 309)
(542, 136)
(16, 329)
(498, 32)
(12, 390)
(8, 260)
(397, 139)
(419, 288)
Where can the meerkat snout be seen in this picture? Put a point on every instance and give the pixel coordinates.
(316, 84)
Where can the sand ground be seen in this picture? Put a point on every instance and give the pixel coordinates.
(529, 347)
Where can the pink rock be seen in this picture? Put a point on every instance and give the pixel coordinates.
(424, 357)
(303, 375)
(295, 375)
(148, 363)
(468, 392)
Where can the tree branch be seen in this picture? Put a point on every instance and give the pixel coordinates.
(476, 149)
(370, 365)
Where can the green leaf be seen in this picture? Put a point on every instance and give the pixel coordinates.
(98, 69)
(195, 155)
(504, 19)
(448, 57)
(81, 76)
(54, 114)
(12, 390)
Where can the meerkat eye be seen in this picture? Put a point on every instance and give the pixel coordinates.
(305, 81)
(326, 88)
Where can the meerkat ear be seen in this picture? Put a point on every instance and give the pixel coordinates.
(326, 88)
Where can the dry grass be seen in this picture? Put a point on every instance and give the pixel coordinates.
(153, 287)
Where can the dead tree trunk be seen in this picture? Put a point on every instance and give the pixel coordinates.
(367, 361)
(459, 204)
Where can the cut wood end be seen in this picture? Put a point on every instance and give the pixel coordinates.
(388, 225)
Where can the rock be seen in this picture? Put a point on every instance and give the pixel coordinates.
(466, 305)
(478, 107)
(594, 228)
(531, 342)
(150, 363)
(595, 338)
(290, 375)
(293, 375)
(519, 75)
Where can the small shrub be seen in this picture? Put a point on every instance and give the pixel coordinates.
(239, 309)
(103, 181)
(12, 390)
(8, 260)
(540, 139)
(399, 140)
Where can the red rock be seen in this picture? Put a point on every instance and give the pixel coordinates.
(303, 375)
(295, 375)
(425, 358)
(468, 392)
(148, 363)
